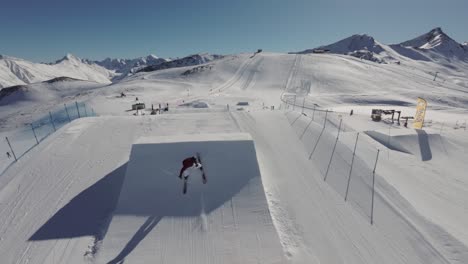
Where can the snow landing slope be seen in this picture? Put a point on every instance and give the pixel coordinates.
(225, 221)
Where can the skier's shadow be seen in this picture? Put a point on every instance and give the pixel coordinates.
(142, 232)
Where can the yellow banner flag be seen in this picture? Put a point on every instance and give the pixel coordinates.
(420, 113)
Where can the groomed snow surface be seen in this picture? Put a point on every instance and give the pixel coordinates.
(105, 189)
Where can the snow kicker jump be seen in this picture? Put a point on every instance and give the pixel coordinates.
(225, 220)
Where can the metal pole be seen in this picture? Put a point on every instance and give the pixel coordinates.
(66, 110)
(313, 113)
(12, 152)
(77, 109)
(292, 124)
(303, 103)
(325, 122)
(52, 121)
(320, 135)
(388, 141)
(85, 111)
(34, 132)
(333, 151)
(351, 169)
(303, 132)
(92, 110)
(373, 187)
(294, 105)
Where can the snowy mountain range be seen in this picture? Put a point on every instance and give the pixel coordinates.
(125, 67)
(16, 71)
(191, 60)
(434, 45)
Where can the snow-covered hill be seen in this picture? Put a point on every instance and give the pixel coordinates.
(128, 65)
(22, 104)
(360, 46)
(83, 196)
(438, 42)
(15, 71)
(191, 60)
(125, 67)
(432, 46)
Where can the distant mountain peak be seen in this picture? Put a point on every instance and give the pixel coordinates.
(152, 56)
(436, 41)
(355, 45)
(127, 66)
(69, 57)
(434, 38)
(191, 60)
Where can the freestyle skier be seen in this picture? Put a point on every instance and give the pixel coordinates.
(191, 162)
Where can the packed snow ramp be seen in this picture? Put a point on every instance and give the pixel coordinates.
(226, 220)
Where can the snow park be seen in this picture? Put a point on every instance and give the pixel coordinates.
(352, 152)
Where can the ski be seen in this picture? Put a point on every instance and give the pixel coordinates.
(201, 168)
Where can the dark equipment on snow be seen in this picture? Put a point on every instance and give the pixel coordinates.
(138, 106)
(376, 115)
(406, 120)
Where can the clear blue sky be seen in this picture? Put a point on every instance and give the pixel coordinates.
(45, 30)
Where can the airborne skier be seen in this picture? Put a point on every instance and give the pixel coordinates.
(190, 163)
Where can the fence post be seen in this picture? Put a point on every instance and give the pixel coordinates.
(52, 121)
(325, 122)
(351, 169)
(34, 132)
(313, 114)
(292, 124)
(303, 103)
(320, 135)
(333, 151)
(12, 152)
(373, 187)
(66, 110)
(77, 109)
(85, 111)
(294, 104)
(303, 132)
